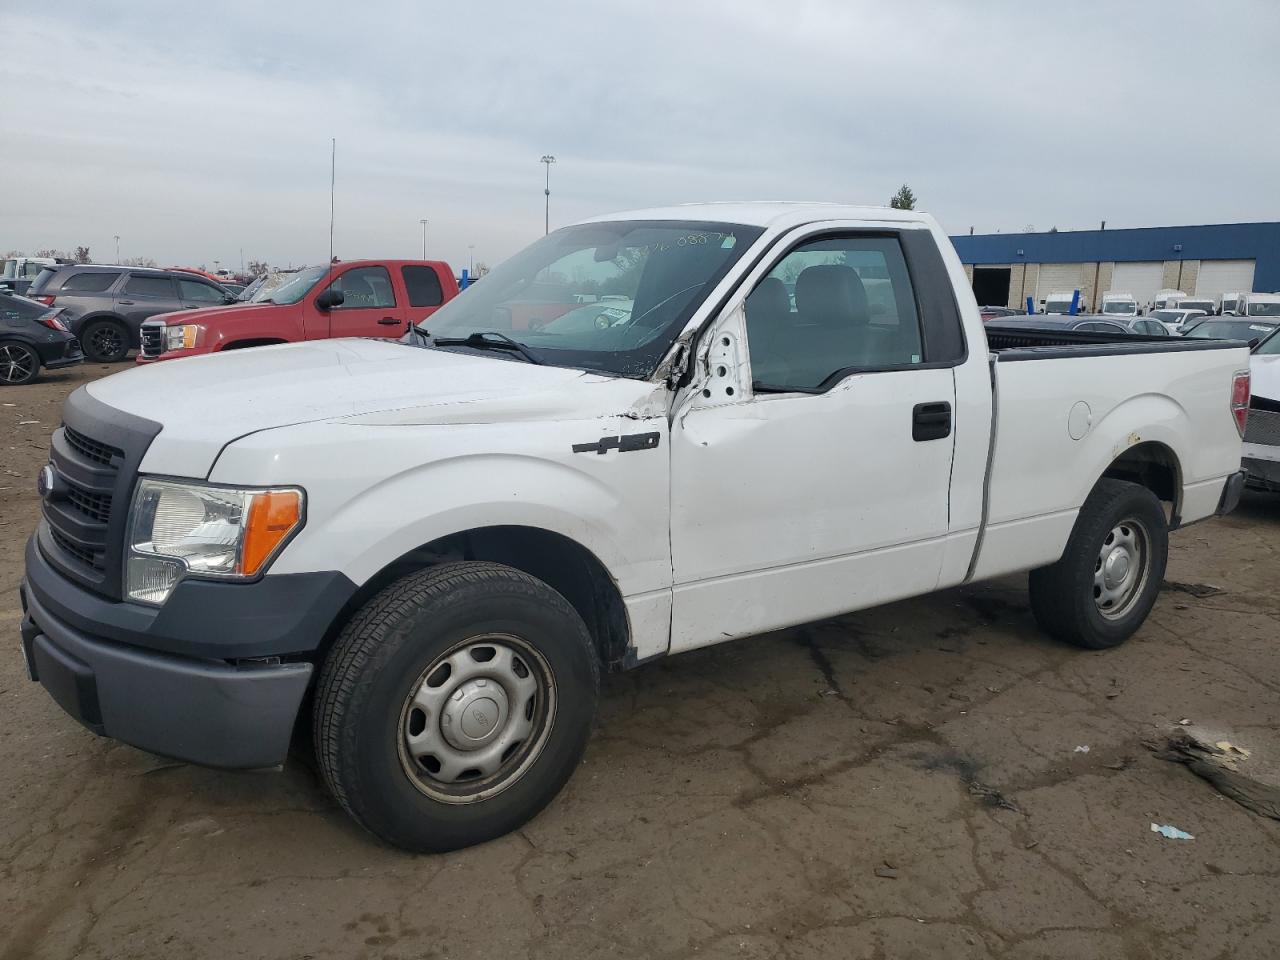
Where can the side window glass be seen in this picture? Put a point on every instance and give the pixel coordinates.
(831, 305)
(199, 292)
(30, 269)
(365, 287)
(423, 285)
(144, 286)
(89, 282)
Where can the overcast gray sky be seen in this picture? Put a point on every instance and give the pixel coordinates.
(195, 135)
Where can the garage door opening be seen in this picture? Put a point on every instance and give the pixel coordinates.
(991, 286)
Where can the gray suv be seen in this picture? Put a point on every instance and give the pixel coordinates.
(105, 306)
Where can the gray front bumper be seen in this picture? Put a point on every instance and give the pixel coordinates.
(204, 711)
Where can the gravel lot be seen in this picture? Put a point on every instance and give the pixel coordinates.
(897, 783)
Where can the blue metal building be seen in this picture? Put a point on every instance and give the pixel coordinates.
(1205, 260)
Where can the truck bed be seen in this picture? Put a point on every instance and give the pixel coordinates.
(1069, 404)
(1021, 343)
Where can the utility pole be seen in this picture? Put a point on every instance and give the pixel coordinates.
(548, 160)
(117, 236)
(424, 237)
(471, 256)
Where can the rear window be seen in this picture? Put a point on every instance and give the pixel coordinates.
(144, 286)
(423, 285)
(87, 282)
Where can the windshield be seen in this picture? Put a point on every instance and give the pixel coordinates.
(1120, 308)
(1205, 305)
(10, 270)
(601, 296)
(1230, 330)
(292, 290)
(1264, 309)
(1270, 346)
(1057, 306)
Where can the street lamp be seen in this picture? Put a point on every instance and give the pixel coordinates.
(548, 160)
(424, 237)
(117, 236)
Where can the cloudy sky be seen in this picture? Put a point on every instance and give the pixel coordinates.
(197, 136)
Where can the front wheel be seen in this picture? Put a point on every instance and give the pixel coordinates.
(455, 705)
(1101, 590)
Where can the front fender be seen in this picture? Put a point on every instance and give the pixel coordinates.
(371, 498)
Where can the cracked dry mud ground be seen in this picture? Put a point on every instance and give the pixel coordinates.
(734, 802)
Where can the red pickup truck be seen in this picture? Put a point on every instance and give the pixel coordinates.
(359, 298)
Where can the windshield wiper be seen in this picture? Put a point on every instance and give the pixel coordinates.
(489, 340)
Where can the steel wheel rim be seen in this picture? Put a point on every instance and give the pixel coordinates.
(476, 719)
(16, 363)
(106, 341)
(1121, 569)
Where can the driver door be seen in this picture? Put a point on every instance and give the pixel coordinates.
(369, 307)
(810, 477)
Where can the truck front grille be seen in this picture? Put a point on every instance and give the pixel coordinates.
(91, 449)
(1263, 426)
(152, 339)
(95, 456)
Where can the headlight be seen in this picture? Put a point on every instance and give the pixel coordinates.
(181, 337)
(178, 530)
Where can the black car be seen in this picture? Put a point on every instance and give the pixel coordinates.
(1248, 329)
(105, 306)
(1081, 323)
(32, 335)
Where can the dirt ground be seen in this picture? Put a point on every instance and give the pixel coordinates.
(903, 782)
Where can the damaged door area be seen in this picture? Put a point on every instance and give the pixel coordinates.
(811, 491)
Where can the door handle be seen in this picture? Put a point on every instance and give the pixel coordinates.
(390, 320)
(125, 303)
(931, 421)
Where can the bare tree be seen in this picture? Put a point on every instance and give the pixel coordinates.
(137, 262)
(82, 255)
(257, 268)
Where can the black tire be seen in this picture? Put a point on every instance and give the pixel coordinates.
(105, 341)
(380, 659)
(19, 364)
(1066, 600)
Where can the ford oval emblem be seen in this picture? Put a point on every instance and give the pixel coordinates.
(46, 480)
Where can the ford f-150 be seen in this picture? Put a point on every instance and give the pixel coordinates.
(780, 413)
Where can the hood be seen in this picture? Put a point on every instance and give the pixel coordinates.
(222, 311)
(203, 403)
(1264, 376)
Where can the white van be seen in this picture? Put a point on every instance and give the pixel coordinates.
(1115, 304)
(1060, 302)
(1164, 299)
(1228, 305)
(1259, 305)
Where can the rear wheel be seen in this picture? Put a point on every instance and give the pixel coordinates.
(455, 705)
(105, 341)
(19, 364)
(1100, 592)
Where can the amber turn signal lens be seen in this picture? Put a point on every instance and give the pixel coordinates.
(272, 517)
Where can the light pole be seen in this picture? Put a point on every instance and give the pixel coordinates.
(471, 257)
(548, 160)
(117, 236)
(424, 237)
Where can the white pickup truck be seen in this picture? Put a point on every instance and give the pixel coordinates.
(789, 412)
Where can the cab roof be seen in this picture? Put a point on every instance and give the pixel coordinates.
(780, 214)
